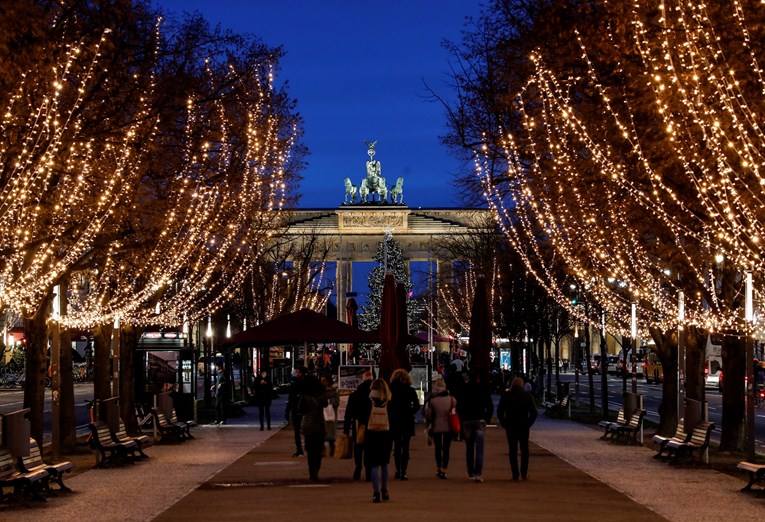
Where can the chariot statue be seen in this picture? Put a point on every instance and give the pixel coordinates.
(374, 183)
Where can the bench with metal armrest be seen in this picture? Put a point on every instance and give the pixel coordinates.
(186, 425)
(756, 473)
(610, 426)
(21, 482)
(629, 432)
(696, 445)
(132, 444)
(557, 408)
(109, 452)
(679, 437)
(168, 429)
(34, 462)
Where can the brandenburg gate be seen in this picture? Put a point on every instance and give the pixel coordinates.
(355, 229)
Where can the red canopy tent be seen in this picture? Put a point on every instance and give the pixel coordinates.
(302, 327)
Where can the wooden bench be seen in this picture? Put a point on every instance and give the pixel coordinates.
(610, 426)
(557, 408)
(21, 482)
(34, 462)
(165, 428)
(185, 425)
(679, 437)
(629, 432)
(132, 444)
(109, 452)
(698, 443)
(756, 473)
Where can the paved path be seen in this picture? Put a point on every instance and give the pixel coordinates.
(237, 472)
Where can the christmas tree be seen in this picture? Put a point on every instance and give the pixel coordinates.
(369, 318)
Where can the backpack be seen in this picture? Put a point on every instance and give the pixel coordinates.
(378, 418)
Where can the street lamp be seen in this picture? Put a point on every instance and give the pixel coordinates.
(633, 333)
(750, 388)
(680, 353)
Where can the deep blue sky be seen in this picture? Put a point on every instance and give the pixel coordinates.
(358, 71)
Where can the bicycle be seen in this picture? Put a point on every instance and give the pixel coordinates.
(144, 419)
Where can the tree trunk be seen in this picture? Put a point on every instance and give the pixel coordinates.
(68, 442)
(36, 333)
(695, 342)
(66, 395)
(102, 351)
(733, 417)
(666, 350)
(128, 343)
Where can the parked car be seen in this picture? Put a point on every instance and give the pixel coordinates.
(621, 370)
(596, 367)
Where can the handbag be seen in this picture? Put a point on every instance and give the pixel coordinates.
(454, 421)
(360, 430)
(343, 447)
(329, 413)
(378, 418)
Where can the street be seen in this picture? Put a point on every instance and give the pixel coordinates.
(13, 399)
(651, 400)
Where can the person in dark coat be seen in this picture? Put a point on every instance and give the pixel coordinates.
(378, 442)
(517, 412)
(264, 392)
(296, 390)
(222, 389)
(356, 416)
(404, 404)
(311, 410)
(475, 409)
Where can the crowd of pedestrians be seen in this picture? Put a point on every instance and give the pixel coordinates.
(380, 422)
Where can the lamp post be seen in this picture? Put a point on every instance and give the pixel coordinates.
(750, 388)
(680, 354)
(633, 332)
(55, 367)
(208, 361)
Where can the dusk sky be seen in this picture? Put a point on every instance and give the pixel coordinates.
(358, 71)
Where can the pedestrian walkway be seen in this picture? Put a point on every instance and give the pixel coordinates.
(237, 472)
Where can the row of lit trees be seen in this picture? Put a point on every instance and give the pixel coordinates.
(143, 163)
(619, 145)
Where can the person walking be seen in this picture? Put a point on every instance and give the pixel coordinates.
(437, 409)
(516, 413)
(296, 390)
(311, 410)
(378, 441)
(404, 404)
(356, 416)
(222, 394)
(330, 411)
(475, 409)
(264, 393)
